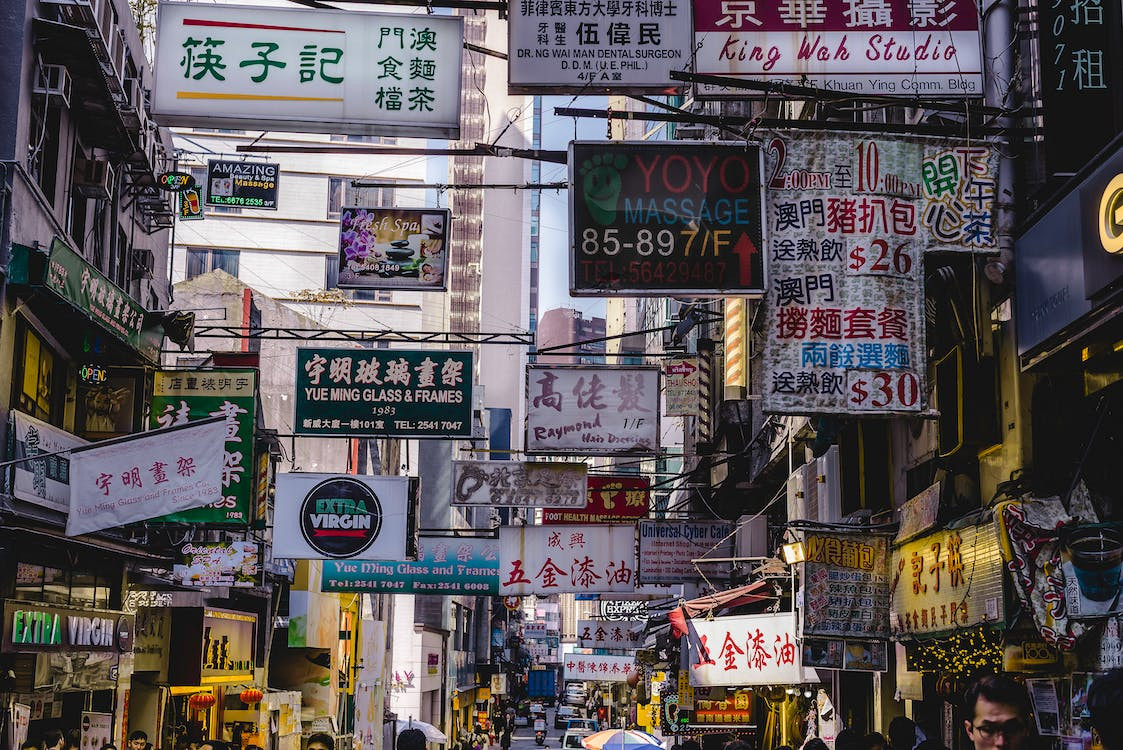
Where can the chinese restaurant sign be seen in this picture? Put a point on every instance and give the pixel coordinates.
(217, 564)
(893, 47)
(610, 499)
(666, 549)
(393, 248)
(946, 581)
(566, 559)
(246, 184)
(121, 481)
(600, 634)
(519, 484)
(658, 218)
(445, 566)
(43, 481)
(598, 667)
(179, 397)
(229, 66)
(592, 410)
(744, 650)
(680, 387)
(850, 218)
(386, 392)
(846, 585)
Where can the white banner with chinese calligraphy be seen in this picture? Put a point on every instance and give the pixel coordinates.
(144, 476)
(849, 220)
(744, 650)
(947, 580)
(230, 66)
(592, 410)
(603, 634)
(566, 559)
(667, 550)
(598, 667)
(538, 484)
(846, 585)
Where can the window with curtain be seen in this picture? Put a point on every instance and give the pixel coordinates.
(340, 194)
(204, 260)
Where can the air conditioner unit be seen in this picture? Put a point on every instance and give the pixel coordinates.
(803, 497)
(752, 536)
(828, 480)
(53, 81)
(92, 178)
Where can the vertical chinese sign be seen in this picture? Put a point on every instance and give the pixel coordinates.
(566, 559)
(850, 218)
(744, 650)
(179, 397)
(846, 585)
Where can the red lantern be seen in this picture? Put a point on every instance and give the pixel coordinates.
(201, 701)
(251, 695)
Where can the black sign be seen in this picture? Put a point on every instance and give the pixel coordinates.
(174, 182)
(1101, 226)
(657, 218)
(340, 517)
(246, 184)
(37, 628)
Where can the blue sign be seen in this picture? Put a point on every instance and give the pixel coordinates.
(445, 566)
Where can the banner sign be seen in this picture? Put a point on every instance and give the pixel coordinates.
(328, 516)
(596, 411)
(121, 481)
(620, 611)
(557, 49)
(298, 70)
(947, 581)
(919, 513)
(680, 387)
(850, 218)
(534, 630)
(383, 393)
(598, 667)
(42, 481)
(566, 559)
(519, 484)
(894, 47)
(217, 564)
(393, 248)
(31, 627)
(651, 219)
(446, 566)
(599, 634)
(666, 549)
(744, 650)
(846, 585)
(245, 184)
(179, 397)
(610, 499)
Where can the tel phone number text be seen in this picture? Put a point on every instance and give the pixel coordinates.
(686, 256)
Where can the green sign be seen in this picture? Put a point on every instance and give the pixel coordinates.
(386, 392)
(181, 396)
(79, 283)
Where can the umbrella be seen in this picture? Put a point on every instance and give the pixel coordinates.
(431, 732)
(620, 739)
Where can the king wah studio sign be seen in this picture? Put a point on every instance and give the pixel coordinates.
(35, 628)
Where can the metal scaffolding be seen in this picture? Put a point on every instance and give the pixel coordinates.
(514, 338)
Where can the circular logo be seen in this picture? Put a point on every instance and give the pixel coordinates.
(340, 517)
(124, 633)
(1110, 216)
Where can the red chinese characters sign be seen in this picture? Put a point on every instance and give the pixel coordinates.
(598, 668)
(604, 634)
(745, 650)
(610, 499)
(566, 559)
(846, 585)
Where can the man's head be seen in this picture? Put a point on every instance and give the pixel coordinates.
(996, 713)
(1104, 699)
(138, 738)
(53, 739)
(214, 745)
(74, 738)
(321, 741)
(411, 739)
(902, 733)
(874, 741)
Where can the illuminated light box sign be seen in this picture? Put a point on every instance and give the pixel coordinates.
(244, 184)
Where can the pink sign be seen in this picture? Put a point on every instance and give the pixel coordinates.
(597, 668)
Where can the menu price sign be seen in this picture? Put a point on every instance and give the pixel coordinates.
(846, 585)
(245, 184)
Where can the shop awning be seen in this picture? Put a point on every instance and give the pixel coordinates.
(758, 591)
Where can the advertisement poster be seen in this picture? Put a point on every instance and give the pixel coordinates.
(648, 219)
(592, 410)
(846, 585)
(19, 720)
(190, 201)
(666, 549)
(566, 559)
(597, 668)
(217, 564)
(519, 484)
(393, 248)
(850, 217)
(445, 566)
(302, 70)
(243, 184)
(680, 387)
(885, 48)
(610, 499)
(744, 650)
(97, 729)
(44, 481)
(1046, 706)
(619, 635)
(179, 397)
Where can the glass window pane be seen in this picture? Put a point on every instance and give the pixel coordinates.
(331, 272)
(56, 588)
(29, 581)
(335, 196)
(82, 588)
(196, 263)
(226, 260)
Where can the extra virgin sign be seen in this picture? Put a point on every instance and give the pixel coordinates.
(652, 218)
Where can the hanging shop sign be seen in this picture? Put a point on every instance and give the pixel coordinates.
(227, 646)
(946, 581)
(121, 481)
(845, 654)
(175, 182)
(43, 481)
(217, 564)
(680, 387)
(667, 549)
(30, 627)
(499, 684)
(610, 499)
(850, 218)
(96, 729)
(919, 513)
(534, 630)
(735, 708)
(846, 585)
(601, 634)
(519, 484)
(229, 66)
(658, 218)
(1091, 571)
(153, 639)
(744, 650)
(592, 410)
(597, 667)
(180, 397)
(190, 204)
(383, 393)
(445, 566)
(888, 48)
(393, 248)
(621, 611)
(244, 184)
(566, 559)
(328, 516)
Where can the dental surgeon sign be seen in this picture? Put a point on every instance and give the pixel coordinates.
(650, 219)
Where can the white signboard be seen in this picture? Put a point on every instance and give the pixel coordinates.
(330, 516)
(555, 48)
(680, 387)
(44, 481)
(598, 668)
(499, 684)
(666, 549)
(559, 559)
(97, 729)
(230, 66)
(122, 481)
(592, 410)
(604, 634)
(744, 650)
(555, 484)
(534, 630)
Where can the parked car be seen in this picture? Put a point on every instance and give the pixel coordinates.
(571, 740)
(563, 716)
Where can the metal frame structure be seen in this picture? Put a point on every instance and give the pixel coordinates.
(512, 338)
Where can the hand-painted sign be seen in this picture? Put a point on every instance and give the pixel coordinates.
(245, 184)
(445, 566)
(610, 499)
(393, 248)
(680, 387)
(598, 667)
(603, 634)
(744, 650)
(846, 585)
(519, 484)
(666, 549)
(559, 559)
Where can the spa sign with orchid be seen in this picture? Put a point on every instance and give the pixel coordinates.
(393, 248)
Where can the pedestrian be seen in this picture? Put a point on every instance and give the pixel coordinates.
(138, 738)
(213, 745)
(411, 739)
(902, 733)
(73, 738)
(505, 738)
(930, 745)
(321, 741)
(996, 711)
(1105, 699)
(815, 744)
(847, 739)
(29, 745)
(108, 746)
(874, 741)
(693, 745)
(53, 740)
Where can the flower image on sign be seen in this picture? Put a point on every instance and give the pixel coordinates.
(445, 566)
(230, 66)
(744, 650)
(393, 248)
(592, 410)
(846, 585)
(217, 564)
(519, 484)
(598, 667)
(610, 499)
(561, 559)
(603, 634)
(666, 549)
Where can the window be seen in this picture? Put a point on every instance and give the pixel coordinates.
(200, 175)
(382, 140)
(331, 281)
(340, 193)
(38, 583)
(201, 261)
(43, 144)
(38, 384)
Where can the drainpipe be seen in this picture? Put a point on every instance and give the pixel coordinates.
(1000, 90)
